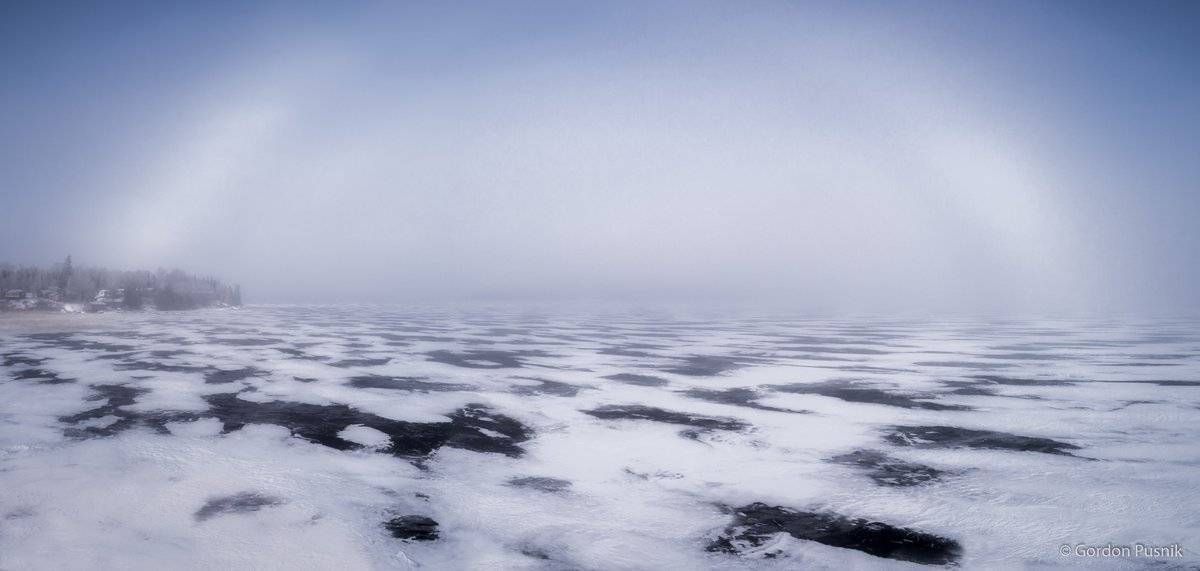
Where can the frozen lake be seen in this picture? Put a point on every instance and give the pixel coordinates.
(358, 437)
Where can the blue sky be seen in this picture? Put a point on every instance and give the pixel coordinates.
(876, 155)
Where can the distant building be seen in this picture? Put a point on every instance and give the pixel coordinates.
(51, 293)
(109, 294)
(14, 294)
(109, 297)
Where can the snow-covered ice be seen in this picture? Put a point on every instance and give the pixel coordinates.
(359, 437)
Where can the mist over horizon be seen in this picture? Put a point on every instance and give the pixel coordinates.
(1016, 157)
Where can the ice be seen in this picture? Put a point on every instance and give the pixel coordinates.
(365, 437)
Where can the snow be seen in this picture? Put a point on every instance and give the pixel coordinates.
(642, 494)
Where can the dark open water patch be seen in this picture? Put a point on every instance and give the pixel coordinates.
(507, 331)
(1021, 382)
(869, 369)
(964, 365)
(116, 396)
(42, 376)
(1122, 405)
(755, 524)
(547, 387)
(851, 391)
(143, 365)
(221, 376)
(541, 484)
(245, 341)
(640, 412)
(166, 338)
(168, 353)
(888, 471)
(18, 514)
(299, 354)
(115, 356)
(425, 338)
(475, 341)
(412, 528)
(483, 358)
(954, 437)
(362, 362)
(639, 380)
(534, 552)
(243, 502)
(15, 359)
(626, 351)
(709, 365)
(739, 396)
(406, 384)
(473, 427)
(1161, 383)
(68, 341)
(824, 358)
(838, 350)
(1027, 356)
(819, 340)
(392, 339)
(968, 388)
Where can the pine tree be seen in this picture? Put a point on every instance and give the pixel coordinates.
(65, 278)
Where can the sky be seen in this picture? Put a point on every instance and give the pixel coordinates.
(844, 156)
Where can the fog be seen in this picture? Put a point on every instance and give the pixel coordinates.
(1016, 157)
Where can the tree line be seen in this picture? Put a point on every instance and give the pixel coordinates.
(65, 282)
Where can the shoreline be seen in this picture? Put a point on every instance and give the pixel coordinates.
(33, 321)
(45, 321)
